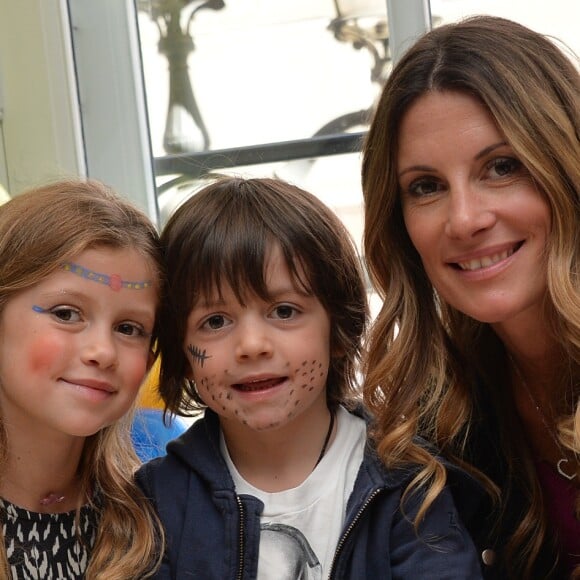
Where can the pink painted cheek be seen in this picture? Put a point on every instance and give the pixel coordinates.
(44, 353)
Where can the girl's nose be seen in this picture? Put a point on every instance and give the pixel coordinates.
(99, 348)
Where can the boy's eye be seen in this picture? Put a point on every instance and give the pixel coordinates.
(215, 322)
(66, 313)
(284, 312)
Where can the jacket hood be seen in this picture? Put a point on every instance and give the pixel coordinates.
(199, 449)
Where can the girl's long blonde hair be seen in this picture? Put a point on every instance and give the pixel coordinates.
(39, 231)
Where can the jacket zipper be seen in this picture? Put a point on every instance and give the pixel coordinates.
(242, 531)
(347, 532)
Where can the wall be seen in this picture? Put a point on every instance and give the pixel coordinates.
(40, 125)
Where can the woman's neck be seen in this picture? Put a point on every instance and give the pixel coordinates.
(537, 355)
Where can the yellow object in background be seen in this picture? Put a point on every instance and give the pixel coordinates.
(149, 396)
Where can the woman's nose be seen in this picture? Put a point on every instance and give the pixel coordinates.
(468, 213)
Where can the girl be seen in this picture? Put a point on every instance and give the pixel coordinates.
(79, 289)
(470, 176)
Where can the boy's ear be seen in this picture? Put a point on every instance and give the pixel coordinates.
(188, 369)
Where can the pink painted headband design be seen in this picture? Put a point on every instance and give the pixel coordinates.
(114, 281)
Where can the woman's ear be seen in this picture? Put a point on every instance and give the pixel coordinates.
(336, 350)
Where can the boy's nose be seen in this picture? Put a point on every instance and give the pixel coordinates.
(254, 342)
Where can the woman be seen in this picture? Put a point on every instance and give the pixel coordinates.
(470, 178)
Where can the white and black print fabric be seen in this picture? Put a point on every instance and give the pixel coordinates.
(48, 546)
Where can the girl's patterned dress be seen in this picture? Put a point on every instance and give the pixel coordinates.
(43, 546)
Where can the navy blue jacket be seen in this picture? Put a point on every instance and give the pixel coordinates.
(214, 533)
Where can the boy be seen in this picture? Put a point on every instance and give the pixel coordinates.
(264, 316)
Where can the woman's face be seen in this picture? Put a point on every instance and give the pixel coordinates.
(471, 209)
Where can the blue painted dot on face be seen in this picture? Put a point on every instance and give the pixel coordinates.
(38, 309)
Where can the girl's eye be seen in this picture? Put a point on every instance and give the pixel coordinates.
(423, 187)
(131, 329)
(215, 322)
(504, 166)
(66, 314)
(284, 312)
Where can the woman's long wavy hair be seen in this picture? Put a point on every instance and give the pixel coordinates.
(424, 357)
(39, 231)
(222, 237)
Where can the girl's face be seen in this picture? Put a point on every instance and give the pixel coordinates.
(75, 347)
(471, 209)
(262, 365)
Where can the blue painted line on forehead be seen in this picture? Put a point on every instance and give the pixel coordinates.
(113, 281)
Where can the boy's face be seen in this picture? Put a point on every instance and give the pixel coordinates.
(261, 365)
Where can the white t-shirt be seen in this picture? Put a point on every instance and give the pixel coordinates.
(300, 527)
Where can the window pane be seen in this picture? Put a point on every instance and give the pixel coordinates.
(258, 71)
(558, 18)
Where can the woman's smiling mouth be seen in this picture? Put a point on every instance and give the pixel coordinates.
(487, 261)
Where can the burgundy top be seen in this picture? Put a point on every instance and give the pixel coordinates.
(560, 497)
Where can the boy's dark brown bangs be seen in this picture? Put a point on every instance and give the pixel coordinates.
(234, 253)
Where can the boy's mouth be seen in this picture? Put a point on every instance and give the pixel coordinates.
(260, 385)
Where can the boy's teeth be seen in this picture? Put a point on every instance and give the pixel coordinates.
(485, 262)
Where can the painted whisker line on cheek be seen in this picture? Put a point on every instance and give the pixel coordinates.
(197, 354)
